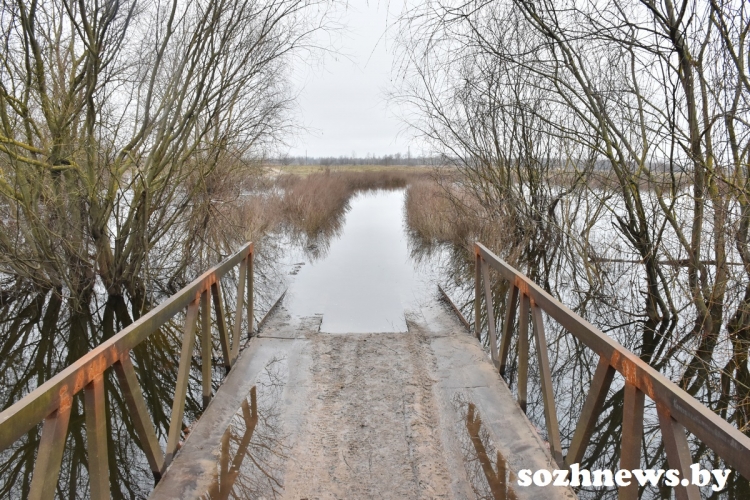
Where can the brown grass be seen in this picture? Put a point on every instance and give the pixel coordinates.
(313, 169)
(260, 215)
(430, 213)
(316, 203)
(438, 211)
(311, 205)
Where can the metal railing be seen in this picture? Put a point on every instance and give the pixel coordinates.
(677, 410)
(51, 402)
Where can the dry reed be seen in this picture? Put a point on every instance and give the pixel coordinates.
(438, 211)
(312, 205)
(316, 203)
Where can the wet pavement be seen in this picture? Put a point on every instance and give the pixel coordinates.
(421, 414)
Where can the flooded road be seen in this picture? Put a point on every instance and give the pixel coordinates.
(416, 414)
(366, 280)
(360, 385)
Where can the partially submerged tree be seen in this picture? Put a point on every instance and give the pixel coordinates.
(116, 116)
(123, 125)
(649, 103)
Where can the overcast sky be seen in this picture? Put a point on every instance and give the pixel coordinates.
(342, 100)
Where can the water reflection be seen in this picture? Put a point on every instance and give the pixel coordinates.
(252, 450)
(42, 333)
(489, 480)
(572, 366)
(42, 330)
(239, 434)
(367, 279)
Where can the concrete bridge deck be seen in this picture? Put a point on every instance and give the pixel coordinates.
(421, 414)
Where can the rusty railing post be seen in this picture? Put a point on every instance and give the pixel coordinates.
(238, 310)
(523, 352)
(545, 377)
(510, 318)
(131, 392)
(591, 409)
(250, 292)
(49, 454)
(206, 348)
(632, 433)
(490, 306)
(678, 453)
(96, 437)
(183, 375)
(477, 294)
(221, 324)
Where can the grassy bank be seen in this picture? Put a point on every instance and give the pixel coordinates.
(438, 210)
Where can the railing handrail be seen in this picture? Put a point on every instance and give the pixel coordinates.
(732, 445)
(18, 419)
(54, 397)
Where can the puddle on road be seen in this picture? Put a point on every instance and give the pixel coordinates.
(486, 467)
(367, 280)
(253, 452)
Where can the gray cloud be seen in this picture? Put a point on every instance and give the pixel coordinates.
(342, 101)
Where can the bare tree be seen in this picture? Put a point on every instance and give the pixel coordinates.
(123, 127)
(648, 103)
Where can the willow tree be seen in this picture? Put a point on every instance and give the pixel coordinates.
(121, 124)
(473, 99)
(116, 115)
(656, 94)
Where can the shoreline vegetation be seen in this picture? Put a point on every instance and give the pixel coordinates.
(442, 210)
(311, 201)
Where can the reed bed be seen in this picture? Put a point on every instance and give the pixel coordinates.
(312, 205)
(316, 203)
(440, 211)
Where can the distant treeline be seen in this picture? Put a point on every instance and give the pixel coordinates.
(399, 159)
(394, 159)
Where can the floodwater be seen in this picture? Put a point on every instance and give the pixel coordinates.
(367, 279)
(252, 450)
(364, 280)
(485, 465)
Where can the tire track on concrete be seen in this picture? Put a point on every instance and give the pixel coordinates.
(372, 424)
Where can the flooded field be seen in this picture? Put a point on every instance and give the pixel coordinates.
(374, 387)
(354, 375)
(359, 278)
(366, 279)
